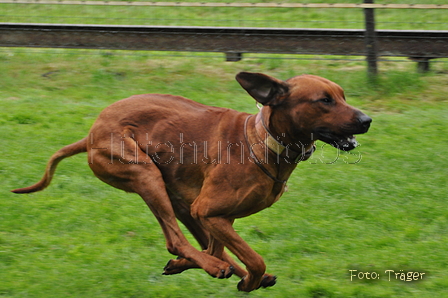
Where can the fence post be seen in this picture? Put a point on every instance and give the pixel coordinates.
(370, 40)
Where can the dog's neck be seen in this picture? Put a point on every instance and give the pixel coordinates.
(277, 142)
(265, 134)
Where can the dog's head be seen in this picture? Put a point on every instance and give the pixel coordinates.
(307, 107)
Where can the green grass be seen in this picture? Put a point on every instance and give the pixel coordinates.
(83, 238)
(427, 19)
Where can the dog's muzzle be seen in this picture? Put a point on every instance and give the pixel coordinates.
(346, 139)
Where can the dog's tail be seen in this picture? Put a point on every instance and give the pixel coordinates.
(67, 151)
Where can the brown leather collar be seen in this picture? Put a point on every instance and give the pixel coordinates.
(276, 146)
(273, 145)
(254, 156)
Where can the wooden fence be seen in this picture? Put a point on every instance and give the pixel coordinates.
(419, 45)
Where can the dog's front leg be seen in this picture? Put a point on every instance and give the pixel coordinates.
(268, 280)
(222, 230)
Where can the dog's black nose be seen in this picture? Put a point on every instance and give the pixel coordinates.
(365, 121)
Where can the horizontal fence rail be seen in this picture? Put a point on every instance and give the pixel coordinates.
(234, 4)
(414, 44)
(421, 46)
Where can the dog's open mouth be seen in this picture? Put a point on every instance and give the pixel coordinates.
(344, 143)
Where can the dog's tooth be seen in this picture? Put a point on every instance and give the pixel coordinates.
(352, 140)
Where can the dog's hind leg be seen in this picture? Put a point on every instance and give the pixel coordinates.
(208, 244)
(152, 190)
(180, 264)
(121, 169)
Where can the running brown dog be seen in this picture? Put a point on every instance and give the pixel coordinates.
(208, 166)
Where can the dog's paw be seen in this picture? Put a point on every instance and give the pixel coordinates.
(244, 285)
(175, 267)
(222, 273)
(226, 273)
(268, 281)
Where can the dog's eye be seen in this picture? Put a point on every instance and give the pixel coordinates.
(326, 100)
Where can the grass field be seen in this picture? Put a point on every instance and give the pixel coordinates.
(382, 207)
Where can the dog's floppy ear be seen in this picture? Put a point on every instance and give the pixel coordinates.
(265, 89)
